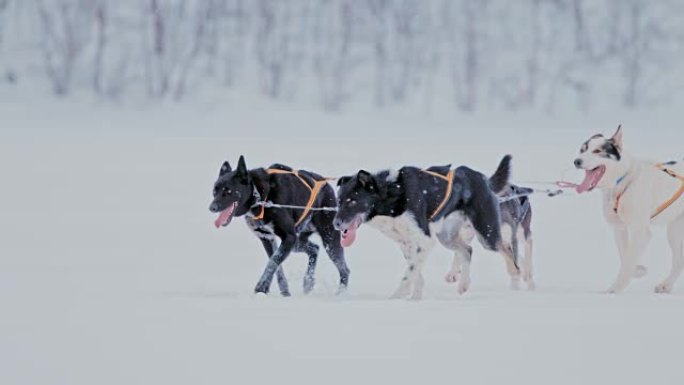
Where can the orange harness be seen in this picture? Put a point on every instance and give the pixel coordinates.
(314, 191)
(667, 203)
(449, 178)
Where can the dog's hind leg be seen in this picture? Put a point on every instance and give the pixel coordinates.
(463, 255)
(277, 258)
(270, 246)
(675, 235)
(509, 256)
(488, 227)
(525, 234)
(510, 242)
(311, 250)
(528, 276)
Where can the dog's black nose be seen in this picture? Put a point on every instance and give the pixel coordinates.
(213, 208)
(578, 163)
(337, 223)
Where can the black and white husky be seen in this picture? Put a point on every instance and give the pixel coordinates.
(239, 192)
(409, 206)
(516, 229)
(636, 195)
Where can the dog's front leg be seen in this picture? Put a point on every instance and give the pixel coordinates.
(413, 282)
(633, 240)
(286, 246)
(621, 240)
(406, 282)
(417, 273)
(270, 246)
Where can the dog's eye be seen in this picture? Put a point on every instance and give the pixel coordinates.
(597, 151)
(352, 203)
(227, 192)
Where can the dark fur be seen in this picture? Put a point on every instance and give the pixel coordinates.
(515, 213)
(609, 149)
(419, 193)
(248, 187)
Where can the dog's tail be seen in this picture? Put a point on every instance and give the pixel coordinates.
(499, 180)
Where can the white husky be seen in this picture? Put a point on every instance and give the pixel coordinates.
(636, 194)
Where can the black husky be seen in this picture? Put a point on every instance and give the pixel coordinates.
(240, 192)
(414, 206)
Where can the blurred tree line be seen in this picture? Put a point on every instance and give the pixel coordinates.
(475, 54)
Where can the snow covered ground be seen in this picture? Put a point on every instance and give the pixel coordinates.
(112, 273)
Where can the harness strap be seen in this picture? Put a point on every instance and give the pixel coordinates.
(674, 197)
(678, 194)
(449, 178)
(618, 197)
(314, 191)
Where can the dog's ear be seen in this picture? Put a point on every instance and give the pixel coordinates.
(617, 138)
(366, 180)
(242, 168)
(225, 169)
(343, 180)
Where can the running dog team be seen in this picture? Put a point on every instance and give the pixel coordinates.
(419, 208)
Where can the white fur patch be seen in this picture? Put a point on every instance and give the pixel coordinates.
(414, 244)
(392, 176)
(402, 229)
(507, 233)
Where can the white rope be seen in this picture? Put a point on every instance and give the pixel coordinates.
(269, 204)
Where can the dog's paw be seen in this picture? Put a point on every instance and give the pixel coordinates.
(515, 283)
(416, 296)
(341, 291)
(284, 293)
(527, 276)
(463, 286)
(399, 294)
(308, 284)
(262, 287)
(664, 288)
(613, 290)
(451, 277)
(531, 285)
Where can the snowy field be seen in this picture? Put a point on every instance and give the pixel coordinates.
(111, 271)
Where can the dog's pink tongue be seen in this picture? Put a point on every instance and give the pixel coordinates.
(224, 217)
(591, 179)
(349, 235)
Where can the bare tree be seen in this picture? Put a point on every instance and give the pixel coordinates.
(101, 20)
(486, 54)
(66, 31)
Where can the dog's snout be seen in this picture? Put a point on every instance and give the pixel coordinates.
(578, 163)
(213, 207)
(337, 223)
